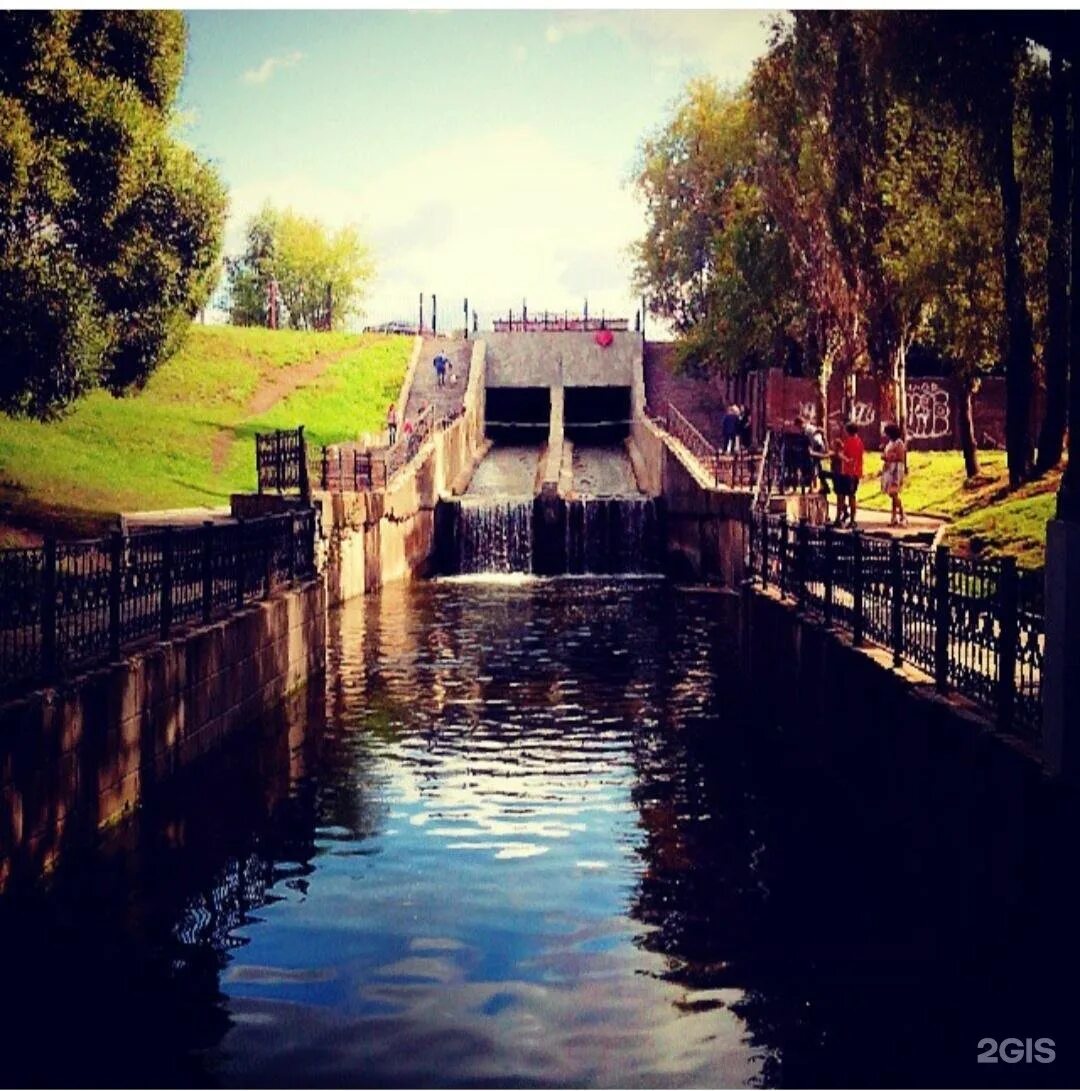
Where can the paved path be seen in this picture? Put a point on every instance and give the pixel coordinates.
(425, 389)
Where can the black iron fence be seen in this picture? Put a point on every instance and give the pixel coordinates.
(70, 605)
(976, 627)
(737, 470)
(346, 467)
(281, 462)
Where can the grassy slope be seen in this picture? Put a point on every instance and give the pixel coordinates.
(154, 449)
(986, 516)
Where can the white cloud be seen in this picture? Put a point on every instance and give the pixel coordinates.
(724, 42)
(516, 217)
(269, 66)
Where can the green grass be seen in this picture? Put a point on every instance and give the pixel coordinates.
(987, 518)
(156, 448)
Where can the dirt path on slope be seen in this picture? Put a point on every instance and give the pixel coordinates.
(282, 382)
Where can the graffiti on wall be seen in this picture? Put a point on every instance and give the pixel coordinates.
(928, 411)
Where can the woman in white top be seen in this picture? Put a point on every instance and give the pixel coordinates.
(893, 471)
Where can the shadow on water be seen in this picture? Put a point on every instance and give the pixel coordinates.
(532, 835)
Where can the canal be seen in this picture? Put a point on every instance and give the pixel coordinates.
(528, 833)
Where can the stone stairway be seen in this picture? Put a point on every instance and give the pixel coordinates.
(425, 390)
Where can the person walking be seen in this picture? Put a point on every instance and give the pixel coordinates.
(439, 363)
(853, 451)
(729, 430)
(391, 424)
(893, 472)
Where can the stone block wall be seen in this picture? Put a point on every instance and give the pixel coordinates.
(80, 756)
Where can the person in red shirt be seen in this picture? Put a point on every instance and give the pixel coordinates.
(853, 467)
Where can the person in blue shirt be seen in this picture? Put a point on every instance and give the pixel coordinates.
(439, 364)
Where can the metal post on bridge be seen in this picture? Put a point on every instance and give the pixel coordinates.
(830, 563)
(207, 571)
(466, 313)
(783, 555)
(857, 622)
(420, 325)
(434, 320)
(165, 610)
(802, 560)
(48, 611)
(941, 618)
(1008, 595)
(896, 571)
(116, 587)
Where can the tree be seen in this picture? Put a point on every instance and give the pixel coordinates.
(109, 228)
(713, 260)
(321, 274)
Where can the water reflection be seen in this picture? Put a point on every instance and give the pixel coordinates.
(528, 835)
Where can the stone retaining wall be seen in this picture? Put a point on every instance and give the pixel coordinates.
(82, 755)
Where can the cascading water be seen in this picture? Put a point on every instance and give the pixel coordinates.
(612, 535)
(493, 536)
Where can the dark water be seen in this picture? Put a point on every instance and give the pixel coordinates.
(528, 834)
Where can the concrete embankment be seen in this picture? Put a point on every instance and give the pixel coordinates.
(80, 756)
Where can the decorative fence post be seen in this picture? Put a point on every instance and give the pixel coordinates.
(325, 470)
(305, 483)
(830, 561)
(207, 572)
(279, 462)
(764, 550)
(266, 532)
(941, 618)
(165, 611)
(783, 555)
(857, 588)
(238, 563)
(48, 611)
(292, 547)
(896, 616)
(1008, 592)
(802, 560)
(116, 576)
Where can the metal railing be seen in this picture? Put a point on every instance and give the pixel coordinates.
(739, 470)
(346, 467)
(281, 462)
(975, 627)
(69, 605)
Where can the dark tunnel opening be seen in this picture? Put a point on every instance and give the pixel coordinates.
(518, 415)
(597, 415)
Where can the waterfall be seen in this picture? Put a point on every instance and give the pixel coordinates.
(592, 536)
(493, 536)
(612, 535)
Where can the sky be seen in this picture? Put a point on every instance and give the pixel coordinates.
(484, 154)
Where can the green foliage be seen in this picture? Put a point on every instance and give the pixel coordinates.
(321, 274)
(107, 455)
(713, 260)
(109, 229)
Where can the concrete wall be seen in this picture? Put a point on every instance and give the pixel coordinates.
(931, 763)
(80, 756)
(705, 525)
(376, 537)
(564, 359)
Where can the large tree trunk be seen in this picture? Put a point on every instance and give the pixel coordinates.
(1068, 505)
(1018, 360)
(967, 429)
(1052, 432)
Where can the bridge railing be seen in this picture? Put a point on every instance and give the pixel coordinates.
(739, 470)
(975, 626)
(69, 605)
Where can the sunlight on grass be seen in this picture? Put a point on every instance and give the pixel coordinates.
(155, 449)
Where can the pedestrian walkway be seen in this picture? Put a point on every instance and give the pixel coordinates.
(448, 399)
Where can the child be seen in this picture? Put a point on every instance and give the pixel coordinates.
(839, 481)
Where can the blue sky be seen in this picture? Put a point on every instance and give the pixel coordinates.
(481, 153)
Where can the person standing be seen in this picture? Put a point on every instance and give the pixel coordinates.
(439, 364)
(893, 472)
(729, 430)
(391, 424)
(853, 451)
